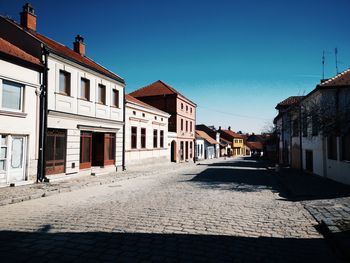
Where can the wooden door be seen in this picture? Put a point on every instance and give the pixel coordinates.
(85, 149)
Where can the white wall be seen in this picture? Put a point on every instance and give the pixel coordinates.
(27, 122)
(200, 145)
(73, 104)
(151, 120)
(71, 112)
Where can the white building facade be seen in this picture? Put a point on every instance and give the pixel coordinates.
(146, 133)
(20, 78)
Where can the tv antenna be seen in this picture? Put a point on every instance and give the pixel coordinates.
(336, 60)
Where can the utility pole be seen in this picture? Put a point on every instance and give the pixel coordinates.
(323, 61)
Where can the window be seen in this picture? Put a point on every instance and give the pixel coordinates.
(64, 85)
(101, 94)
(182, 124)
(143, 138)
(161, 144)
(191, 109)
(295, 128)
(190, 126)
(315, 125)
(186, 108)
(56, 144)
(186, 126)
(345, 149)
(143, 115)
(134, 112)
(133, 137)
(85, 89)
(182, 106)
(155, 117)
(12, 95)
(115, 98)
(155, 138)
(332, 147)
(304, 126)
(3, 152)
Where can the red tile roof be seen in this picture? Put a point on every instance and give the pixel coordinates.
(342, 79)
(206, 137)
(157, 88)
(232, 134)
(68, 53)
(289, 101)
(14, 51)
(132, 99)
(255, 145)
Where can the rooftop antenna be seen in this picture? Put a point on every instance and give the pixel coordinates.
(336, 60)
(323, 61)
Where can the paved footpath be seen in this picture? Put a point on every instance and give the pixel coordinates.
(223, 211)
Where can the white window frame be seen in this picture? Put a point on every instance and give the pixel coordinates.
(21, 99)
(7, 153)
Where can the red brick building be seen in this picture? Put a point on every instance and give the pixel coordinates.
(182, 120)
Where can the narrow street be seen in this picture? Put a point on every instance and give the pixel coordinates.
(222, 211)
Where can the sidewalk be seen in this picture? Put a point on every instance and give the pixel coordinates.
(326, 200)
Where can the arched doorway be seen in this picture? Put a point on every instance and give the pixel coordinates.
(173, 151)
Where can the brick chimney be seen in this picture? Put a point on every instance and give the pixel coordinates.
(28, 18)
(79, 45)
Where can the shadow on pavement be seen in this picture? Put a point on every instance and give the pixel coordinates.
(133, 247)
(248, 174)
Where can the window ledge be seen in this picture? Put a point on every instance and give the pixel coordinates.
(115, 107)
(13, 113)
(100, 103)
(83, 99)
(63, 94)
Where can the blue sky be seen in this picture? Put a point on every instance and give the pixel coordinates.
(235, 59)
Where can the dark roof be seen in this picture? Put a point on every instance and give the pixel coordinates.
(206, 137)
(156, 89)
(289, 101)
(68, 53)
(232, 134)
(14, 51)
(342, 79)
(255, 145)
(129, 98)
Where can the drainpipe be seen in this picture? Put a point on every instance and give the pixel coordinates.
(43, 121)
(123, 153)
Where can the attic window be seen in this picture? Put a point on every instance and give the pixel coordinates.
(155, 117)
(161, 119)
(134, 112)
(143, 115)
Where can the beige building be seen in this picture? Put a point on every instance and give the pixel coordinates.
(146, 133)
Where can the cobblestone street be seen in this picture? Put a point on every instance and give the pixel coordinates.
(222, 211)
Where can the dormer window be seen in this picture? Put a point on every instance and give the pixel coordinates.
(64, 85)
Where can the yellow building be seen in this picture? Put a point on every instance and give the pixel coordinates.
(237, 140)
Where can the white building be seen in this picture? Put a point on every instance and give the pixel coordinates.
(85, 105)
(317, 128)
(206, 146)
(20, 77)
(146, 133)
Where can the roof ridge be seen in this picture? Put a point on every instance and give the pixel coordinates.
(335, 77)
